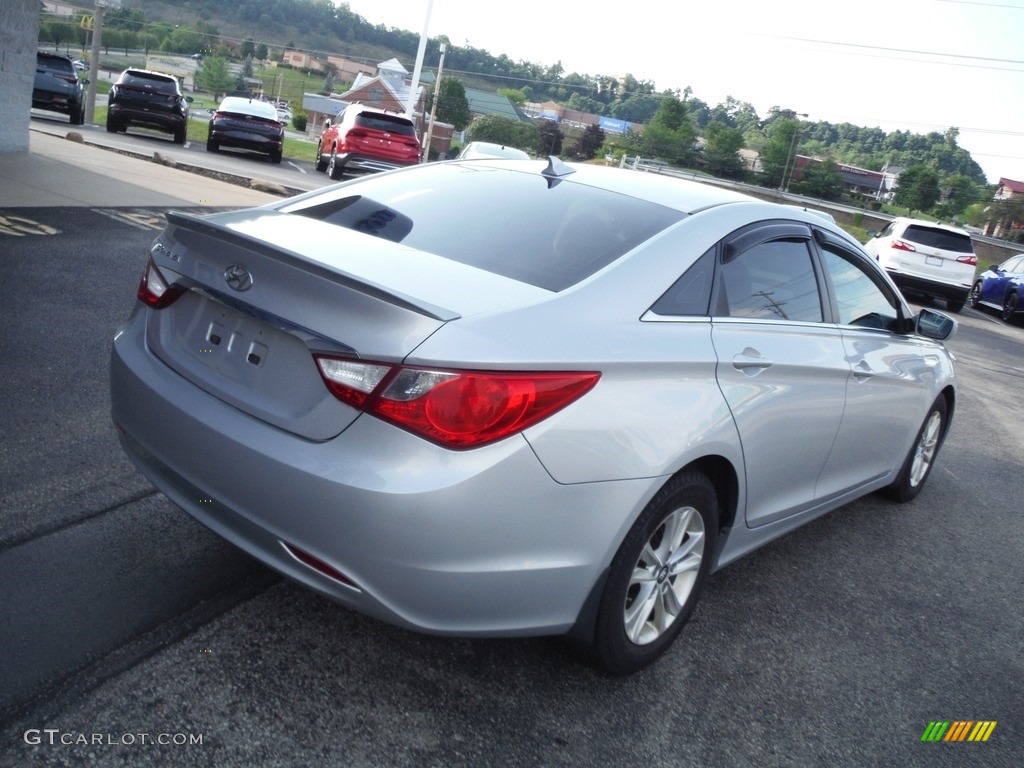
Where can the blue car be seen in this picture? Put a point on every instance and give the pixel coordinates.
(1000, 287)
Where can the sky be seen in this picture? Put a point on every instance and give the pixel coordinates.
(917, 65)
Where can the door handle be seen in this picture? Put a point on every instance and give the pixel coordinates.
(750, 361)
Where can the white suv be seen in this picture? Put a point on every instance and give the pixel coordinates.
(924, 257)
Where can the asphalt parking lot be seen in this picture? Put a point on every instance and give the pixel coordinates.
(837, 645)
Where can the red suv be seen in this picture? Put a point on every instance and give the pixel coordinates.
(367, 140)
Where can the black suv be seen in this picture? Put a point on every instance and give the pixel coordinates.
(151, 99)
(57, 86)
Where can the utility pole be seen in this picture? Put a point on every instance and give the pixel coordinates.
(787, 173)
(433, 107)
(94, 60)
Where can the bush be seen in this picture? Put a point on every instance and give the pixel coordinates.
(299, 121)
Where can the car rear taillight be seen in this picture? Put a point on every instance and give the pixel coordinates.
(453, 408)
(154, 290)
(902, 245)
(972, 260)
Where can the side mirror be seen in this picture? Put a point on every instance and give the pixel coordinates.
(83, 80)
(189, 99)
(935, 325)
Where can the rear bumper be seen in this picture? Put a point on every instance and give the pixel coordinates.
(479, 542)
(246, 140)
(171, 122)
(367, 164)
(930, 287)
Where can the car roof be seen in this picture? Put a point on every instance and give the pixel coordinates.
(667, 190)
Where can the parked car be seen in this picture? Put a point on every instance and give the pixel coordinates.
(484, 149)
(1000, 287)
(246, 124)
(927, 258)
(57, 88)
(149, 99)
(80, 65)
(557, 411)
(365, 139)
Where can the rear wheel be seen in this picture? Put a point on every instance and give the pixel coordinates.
(180, 135)
(974, 297)
(335, 168)
(212, 146)
(918, 464)
(275, 156)
(112, 127)
(1010, 307)
(656, 577)
(78, 115)
(954, 305)
(321, 161)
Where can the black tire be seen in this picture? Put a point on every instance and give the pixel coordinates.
(954, 305)
(77, 116)
(645, 605)
(112, 127)
(335, 168)
(321, 161)
(212, 146)
(974, 297)
(921, 458)
(1010, 307)
(275, 156)
(180, 136)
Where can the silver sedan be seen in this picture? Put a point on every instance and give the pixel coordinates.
(499, 398)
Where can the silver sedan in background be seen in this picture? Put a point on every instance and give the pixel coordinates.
(498, 398)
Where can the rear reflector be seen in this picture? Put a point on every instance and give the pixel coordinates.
(972, 260)
(318, 565)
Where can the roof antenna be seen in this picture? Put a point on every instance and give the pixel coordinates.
(556, 168)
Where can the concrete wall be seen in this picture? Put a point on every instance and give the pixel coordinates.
(19, 33)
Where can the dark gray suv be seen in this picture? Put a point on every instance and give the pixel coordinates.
(57, 87)
(150, 99)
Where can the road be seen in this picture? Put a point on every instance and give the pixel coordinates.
(123, 622)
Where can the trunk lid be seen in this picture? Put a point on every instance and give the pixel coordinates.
(256, 308)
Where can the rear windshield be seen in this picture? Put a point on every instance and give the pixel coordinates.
(389, 123)
(515, 223)
(55, 64)
(146, 80)
(939, 238)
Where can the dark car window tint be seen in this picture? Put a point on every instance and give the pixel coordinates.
(691, 293)
(512, 223)
(938, 238)
(387, 123)
(54, 64)
(771, 280)
(860, 300)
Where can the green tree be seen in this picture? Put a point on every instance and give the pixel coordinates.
(261, 51)
(670, 134)
(247, 49)
(452, 104)
(958, 192)
(722, 144)
(502, 130)
(917, 188)
(779, 151)
(515, 95)
(821, 180)
(213, 75)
